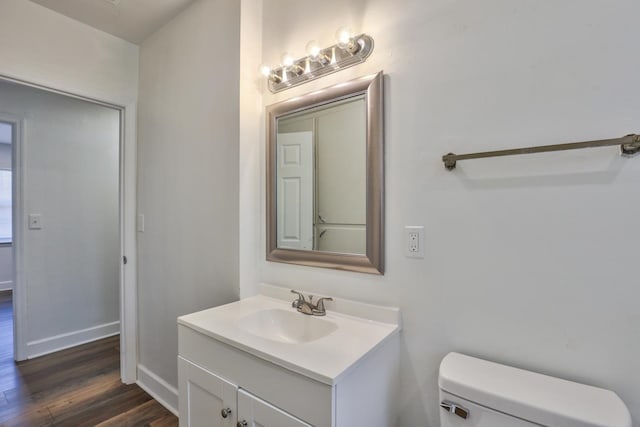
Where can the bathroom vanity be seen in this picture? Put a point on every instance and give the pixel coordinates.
(259, 362)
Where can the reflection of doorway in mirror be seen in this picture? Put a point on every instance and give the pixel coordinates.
(338, 194)
(294, 190)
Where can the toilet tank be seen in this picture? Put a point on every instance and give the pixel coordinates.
(479, 393)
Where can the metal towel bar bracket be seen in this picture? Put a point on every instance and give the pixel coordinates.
(629, 146)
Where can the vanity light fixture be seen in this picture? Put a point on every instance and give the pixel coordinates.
(349, 50)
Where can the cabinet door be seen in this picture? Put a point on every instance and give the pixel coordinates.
(254, 412)
(204, 396)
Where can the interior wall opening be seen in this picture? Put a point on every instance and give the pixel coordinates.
(60, 223)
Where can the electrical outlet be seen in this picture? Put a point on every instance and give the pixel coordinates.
(35, 221)
(414, 241)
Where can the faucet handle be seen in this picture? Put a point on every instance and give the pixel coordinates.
(300, 299)
(320, 305)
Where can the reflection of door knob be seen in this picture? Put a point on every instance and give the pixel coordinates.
(242, 423)
(321, 218)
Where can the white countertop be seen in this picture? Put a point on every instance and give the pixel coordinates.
(327, 359)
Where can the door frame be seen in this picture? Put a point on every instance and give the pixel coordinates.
(127, 215)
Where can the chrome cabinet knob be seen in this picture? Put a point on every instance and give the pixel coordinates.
(225, 412)
(242, 423)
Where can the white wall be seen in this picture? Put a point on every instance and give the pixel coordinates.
(187, 181)
(6, 254)
(530, 260)
(42, 46)
(70, 168)
(251, 145)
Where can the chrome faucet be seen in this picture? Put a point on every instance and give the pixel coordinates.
(308, 307)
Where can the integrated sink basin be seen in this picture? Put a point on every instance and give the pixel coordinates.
(266, 326)
(286, 326)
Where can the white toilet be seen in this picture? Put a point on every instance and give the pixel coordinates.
(478, 393)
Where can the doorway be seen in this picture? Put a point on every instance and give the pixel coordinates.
(6, 255)
(66, 233)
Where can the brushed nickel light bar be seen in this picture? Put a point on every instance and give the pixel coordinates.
(629, 146)
(349, 51)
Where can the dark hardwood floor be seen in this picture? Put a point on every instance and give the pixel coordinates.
(76, 387)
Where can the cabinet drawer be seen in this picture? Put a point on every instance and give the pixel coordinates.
(306, 399)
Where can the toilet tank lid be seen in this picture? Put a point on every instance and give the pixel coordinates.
(533, 397)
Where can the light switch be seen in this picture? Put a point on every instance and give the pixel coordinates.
(35, 221)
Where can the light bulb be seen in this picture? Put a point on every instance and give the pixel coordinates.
(287, 60)
(343, 37)
(265, 70)
(313, 49)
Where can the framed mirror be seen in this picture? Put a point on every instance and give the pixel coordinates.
(325, 178)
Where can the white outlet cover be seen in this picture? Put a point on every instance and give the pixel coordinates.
(408, 231)
(35, 221)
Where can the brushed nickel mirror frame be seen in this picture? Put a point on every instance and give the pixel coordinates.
(373, 261)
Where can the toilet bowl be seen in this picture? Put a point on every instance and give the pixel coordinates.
(479, 393)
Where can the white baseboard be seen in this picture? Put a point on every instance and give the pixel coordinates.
(159, 389)
(6, 286)
(71, 339)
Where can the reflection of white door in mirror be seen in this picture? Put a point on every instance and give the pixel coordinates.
(294, 191)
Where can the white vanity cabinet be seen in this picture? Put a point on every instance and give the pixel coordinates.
(229, 377)
(208, 400)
